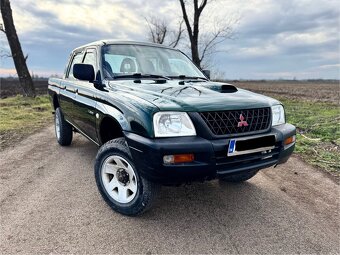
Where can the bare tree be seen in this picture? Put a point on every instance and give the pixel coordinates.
(176, 35)
(4, 53)
(160, 32)
(204, 45)
(16, 51)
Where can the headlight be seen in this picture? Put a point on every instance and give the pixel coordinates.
(278, 115)
(170, 124)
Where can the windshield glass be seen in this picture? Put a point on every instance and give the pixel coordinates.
(123, 60)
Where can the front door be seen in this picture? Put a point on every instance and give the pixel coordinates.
(68, 91)
(84, 103)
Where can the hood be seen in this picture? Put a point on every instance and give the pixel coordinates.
(190, 96)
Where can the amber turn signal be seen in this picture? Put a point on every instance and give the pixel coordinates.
(290, 140)
(178, 158)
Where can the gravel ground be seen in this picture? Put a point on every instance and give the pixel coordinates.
(50, 204)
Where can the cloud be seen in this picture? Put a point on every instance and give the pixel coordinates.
(7, 72)
(96, 15)
(26, 21)
(284, 38)
(337, 66)
(274, 38)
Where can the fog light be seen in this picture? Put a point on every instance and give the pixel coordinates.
(178, 158)
(290, 140)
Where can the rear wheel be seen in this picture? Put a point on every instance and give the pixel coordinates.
(119, 182)
(63, 130)
(241, 177)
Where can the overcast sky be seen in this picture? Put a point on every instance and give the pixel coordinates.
(274, 38)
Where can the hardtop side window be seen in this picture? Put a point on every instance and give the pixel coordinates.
(76, 60)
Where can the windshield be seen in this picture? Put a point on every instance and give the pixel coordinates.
(125, 60)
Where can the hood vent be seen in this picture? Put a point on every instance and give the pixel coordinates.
(228, 89)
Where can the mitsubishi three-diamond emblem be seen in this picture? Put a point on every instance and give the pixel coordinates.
(242, 122)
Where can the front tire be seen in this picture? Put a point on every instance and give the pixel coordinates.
(63, 130)
(119, 182)
(241, 177)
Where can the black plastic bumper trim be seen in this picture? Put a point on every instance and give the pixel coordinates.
(211, 158)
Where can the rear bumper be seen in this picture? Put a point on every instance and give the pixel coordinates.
(211, 160)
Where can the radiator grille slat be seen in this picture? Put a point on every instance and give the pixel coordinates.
(227, 122)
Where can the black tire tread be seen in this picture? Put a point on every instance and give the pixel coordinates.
(66, 132)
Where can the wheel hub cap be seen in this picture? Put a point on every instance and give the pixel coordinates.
(119, 179)
(123, 176)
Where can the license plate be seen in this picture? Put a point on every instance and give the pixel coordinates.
(242, 146)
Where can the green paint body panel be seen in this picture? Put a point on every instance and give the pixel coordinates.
(191, 97)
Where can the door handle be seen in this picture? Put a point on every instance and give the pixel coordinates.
(70, 89)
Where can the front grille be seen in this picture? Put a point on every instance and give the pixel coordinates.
(230, 122)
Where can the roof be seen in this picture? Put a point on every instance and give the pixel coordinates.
(113, 41)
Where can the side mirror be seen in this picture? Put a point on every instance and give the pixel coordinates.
(83, 72)
(206, 73)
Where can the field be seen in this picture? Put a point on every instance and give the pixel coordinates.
(317, 91)
(313, 107)
(10, 87)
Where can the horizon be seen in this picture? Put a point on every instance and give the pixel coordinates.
(37, 77)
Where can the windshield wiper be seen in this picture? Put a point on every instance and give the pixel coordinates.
(184, 77)
(139, 75)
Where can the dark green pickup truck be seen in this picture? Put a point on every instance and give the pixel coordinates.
(159, 120)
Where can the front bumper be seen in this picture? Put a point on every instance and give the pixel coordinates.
(211, 160)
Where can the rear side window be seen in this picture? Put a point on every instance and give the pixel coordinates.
(76, 60)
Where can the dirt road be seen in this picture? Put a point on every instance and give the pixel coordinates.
(50, 204)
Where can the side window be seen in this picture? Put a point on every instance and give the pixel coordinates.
(76, 60)
(89, 58)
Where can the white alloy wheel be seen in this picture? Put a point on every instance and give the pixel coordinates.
(119, 179)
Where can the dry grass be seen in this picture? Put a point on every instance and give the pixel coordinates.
(21, 116)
